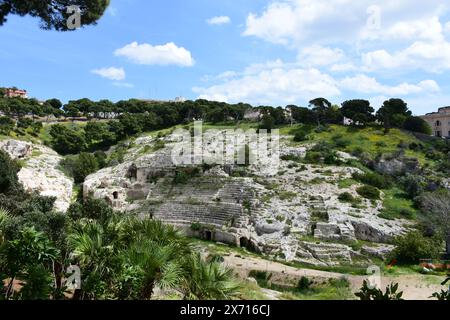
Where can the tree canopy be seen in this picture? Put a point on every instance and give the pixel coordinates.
(53, 14)
(358, 110)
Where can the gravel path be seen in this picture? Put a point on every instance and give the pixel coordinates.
(414, 286)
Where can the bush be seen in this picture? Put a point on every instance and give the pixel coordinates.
(79, 167)
(369, 192)
(413, 185)
(24, 123)
(184, 175)
(6, 125)
(340, 142)
(413, 247)
(8, 173)
(96, 209)
(66, 140)
(346, 197)
(300, 136)
(417, 124)
(374, 180)
(304, 284)
(435, 207)
(322, 153)
(262, 277)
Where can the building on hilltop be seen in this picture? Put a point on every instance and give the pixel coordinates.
(180, 99)
(176, 100)
(15, 93)
(439, 122)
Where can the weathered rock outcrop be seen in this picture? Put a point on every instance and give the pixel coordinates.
(397, 165)
(16, 149)
(380, 251)
(253, 207)
(40, 171)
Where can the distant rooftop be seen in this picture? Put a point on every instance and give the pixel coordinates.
(443, 110)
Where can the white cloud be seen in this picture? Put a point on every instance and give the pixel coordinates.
(369, 85)
(320, 56)
(278, 24)
(447, 27)
(123, 84)
(272, 86)
(427, 28)
(163, 55)
(343, 67)
(111, 73)
(405, 34)
(219, 20)
(297, 21)
(431, 56)
(277, 83)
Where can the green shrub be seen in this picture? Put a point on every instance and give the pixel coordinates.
(369, 192)
(24, 123)
(79, 167)
(322, 153)
(195, 226)
(300, 136)
(6, 125)
(319, 215)
(413, 247)
(374, 179)
(304, 284)
(8, 173)
(262, 277)
(67, 140)
(417, 124)
(340, 142)
(347, 197)
(159, 144)
(182, 176)
(290, 157)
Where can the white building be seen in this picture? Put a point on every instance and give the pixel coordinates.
(439, 122)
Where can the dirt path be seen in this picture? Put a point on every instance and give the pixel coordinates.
(414, 286)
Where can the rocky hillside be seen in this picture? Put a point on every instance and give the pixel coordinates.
(295, 214)
(40, 171)
(306, 211)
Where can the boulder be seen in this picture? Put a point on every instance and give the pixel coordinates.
(16, 149)
(329, 253)
(381, 251)
(268, 228)
(328, 231)
(397, 166)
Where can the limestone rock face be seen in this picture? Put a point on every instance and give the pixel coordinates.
(275, 210)
(40, 172)
(380, 251)
(329, 252)
(397, 166)
(16, 149)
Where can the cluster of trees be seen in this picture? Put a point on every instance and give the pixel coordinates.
(119, 256)
(21, 107)
(394, 113)
(138, 115)
(21, 127)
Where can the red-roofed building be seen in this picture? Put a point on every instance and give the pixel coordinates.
(15, 93)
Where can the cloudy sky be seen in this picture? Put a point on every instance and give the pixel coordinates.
(258, 51)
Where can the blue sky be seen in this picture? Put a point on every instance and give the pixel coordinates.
(258, 51)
